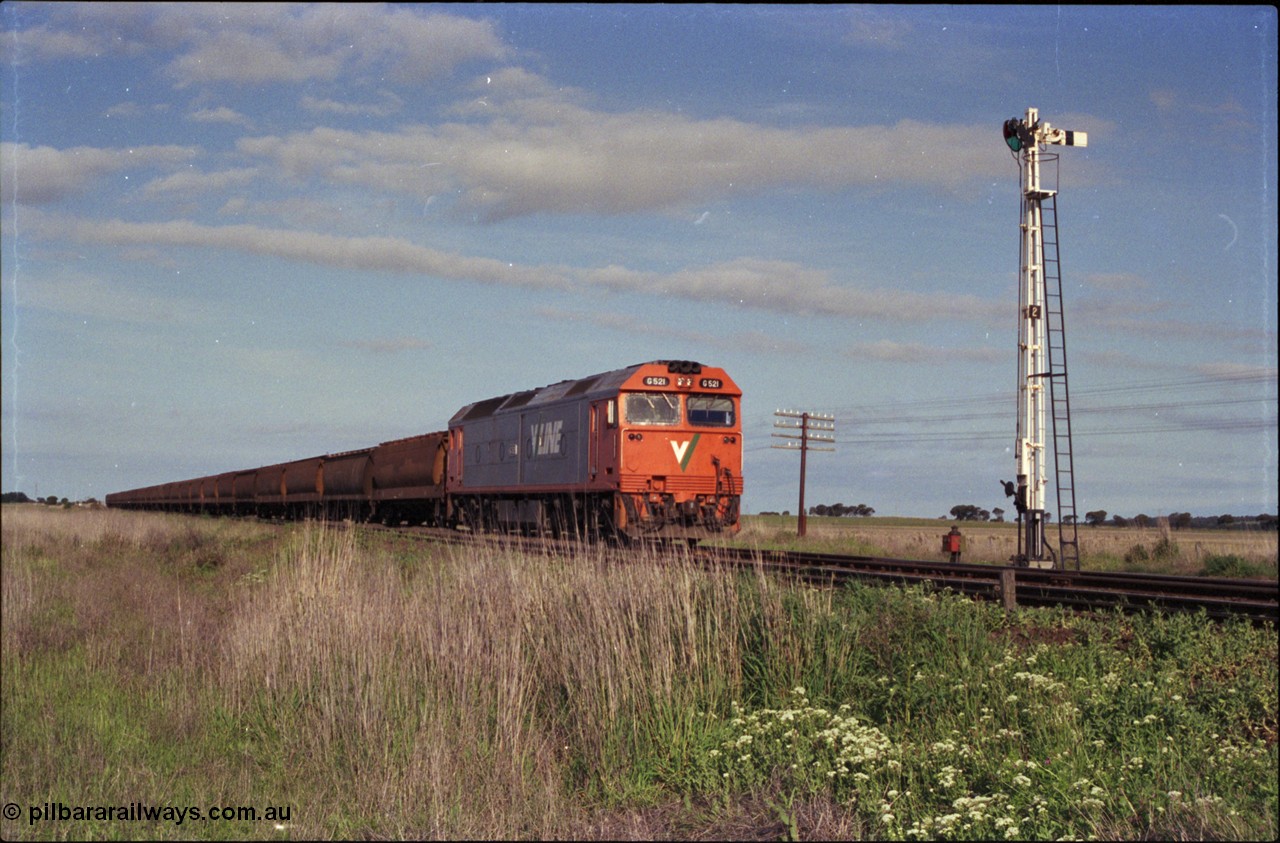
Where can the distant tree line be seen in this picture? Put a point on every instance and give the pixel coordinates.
(51, 500)
(839, 510)
(969, 512)
(1101, 518)
(1183, 520)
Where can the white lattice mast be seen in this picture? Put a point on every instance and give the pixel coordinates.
(1031, 453)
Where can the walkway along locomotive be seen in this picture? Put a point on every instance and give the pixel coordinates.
(652, 450)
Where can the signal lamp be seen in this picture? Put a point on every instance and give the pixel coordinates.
(1013, 133)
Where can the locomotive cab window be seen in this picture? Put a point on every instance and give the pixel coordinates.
(652, 408)
(711, 410)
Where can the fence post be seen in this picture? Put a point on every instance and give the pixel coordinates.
(1008, 589)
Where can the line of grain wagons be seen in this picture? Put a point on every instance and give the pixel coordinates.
(650, 450)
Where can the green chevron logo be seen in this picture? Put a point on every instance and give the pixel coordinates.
(684, 450)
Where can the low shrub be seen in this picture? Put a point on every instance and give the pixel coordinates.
(1166, 548)
(1230, 565)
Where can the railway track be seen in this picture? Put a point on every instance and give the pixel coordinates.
(1219, 597)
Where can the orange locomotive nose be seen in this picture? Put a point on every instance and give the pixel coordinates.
(681, 450)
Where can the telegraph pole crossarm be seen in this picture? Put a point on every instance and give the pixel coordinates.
(804, 429)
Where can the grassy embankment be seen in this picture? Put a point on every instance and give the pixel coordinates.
(1249, 553)
(383, 688)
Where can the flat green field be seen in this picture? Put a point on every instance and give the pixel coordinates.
(323, 681)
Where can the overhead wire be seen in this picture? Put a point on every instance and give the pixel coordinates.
(913, 418)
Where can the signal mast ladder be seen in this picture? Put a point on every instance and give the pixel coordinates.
(1059, 395)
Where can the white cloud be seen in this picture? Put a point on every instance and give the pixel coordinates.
(776, 286)
(877, 28)
(42, 174)
(91, 297)
(294, 43)
(628, 323)
(387, 105)
(394, 345)
(259, 43)
(888, 351)
(424, 47)
(1117, 281)
(245, 58)
(221, 114)
(383, 254)
(124, 109)
(547, 155)
(191, 182)
(786, 287)
(20, 47)
(1239, 372)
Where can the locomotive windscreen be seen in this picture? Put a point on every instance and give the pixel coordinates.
(653, 408)
(711, 410)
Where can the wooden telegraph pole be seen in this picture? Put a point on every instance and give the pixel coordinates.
(805, 428)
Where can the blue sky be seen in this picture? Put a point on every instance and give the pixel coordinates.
(235, 235)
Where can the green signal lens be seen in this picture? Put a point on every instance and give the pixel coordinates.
(1011, 135)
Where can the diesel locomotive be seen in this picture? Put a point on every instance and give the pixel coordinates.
(653, 450)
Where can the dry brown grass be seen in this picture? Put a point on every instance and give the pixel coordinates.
(471, 692)
(1101, 548)
(415, 696)
(463, 694)
(126, 587)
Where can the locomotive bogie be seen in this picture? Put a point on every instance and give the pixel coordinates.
(559, 515)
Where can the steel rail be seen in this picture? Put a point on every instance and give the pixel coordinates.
(1218, 597)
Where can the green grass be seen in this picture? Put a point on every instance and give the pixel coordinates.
(1231, 565)
(380, 687)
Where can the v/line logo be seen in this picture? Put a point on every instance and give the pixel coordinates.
(546, 438)
(684, 450)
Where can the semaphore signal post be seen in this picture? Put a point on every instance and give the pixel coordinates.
(1042, 351)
